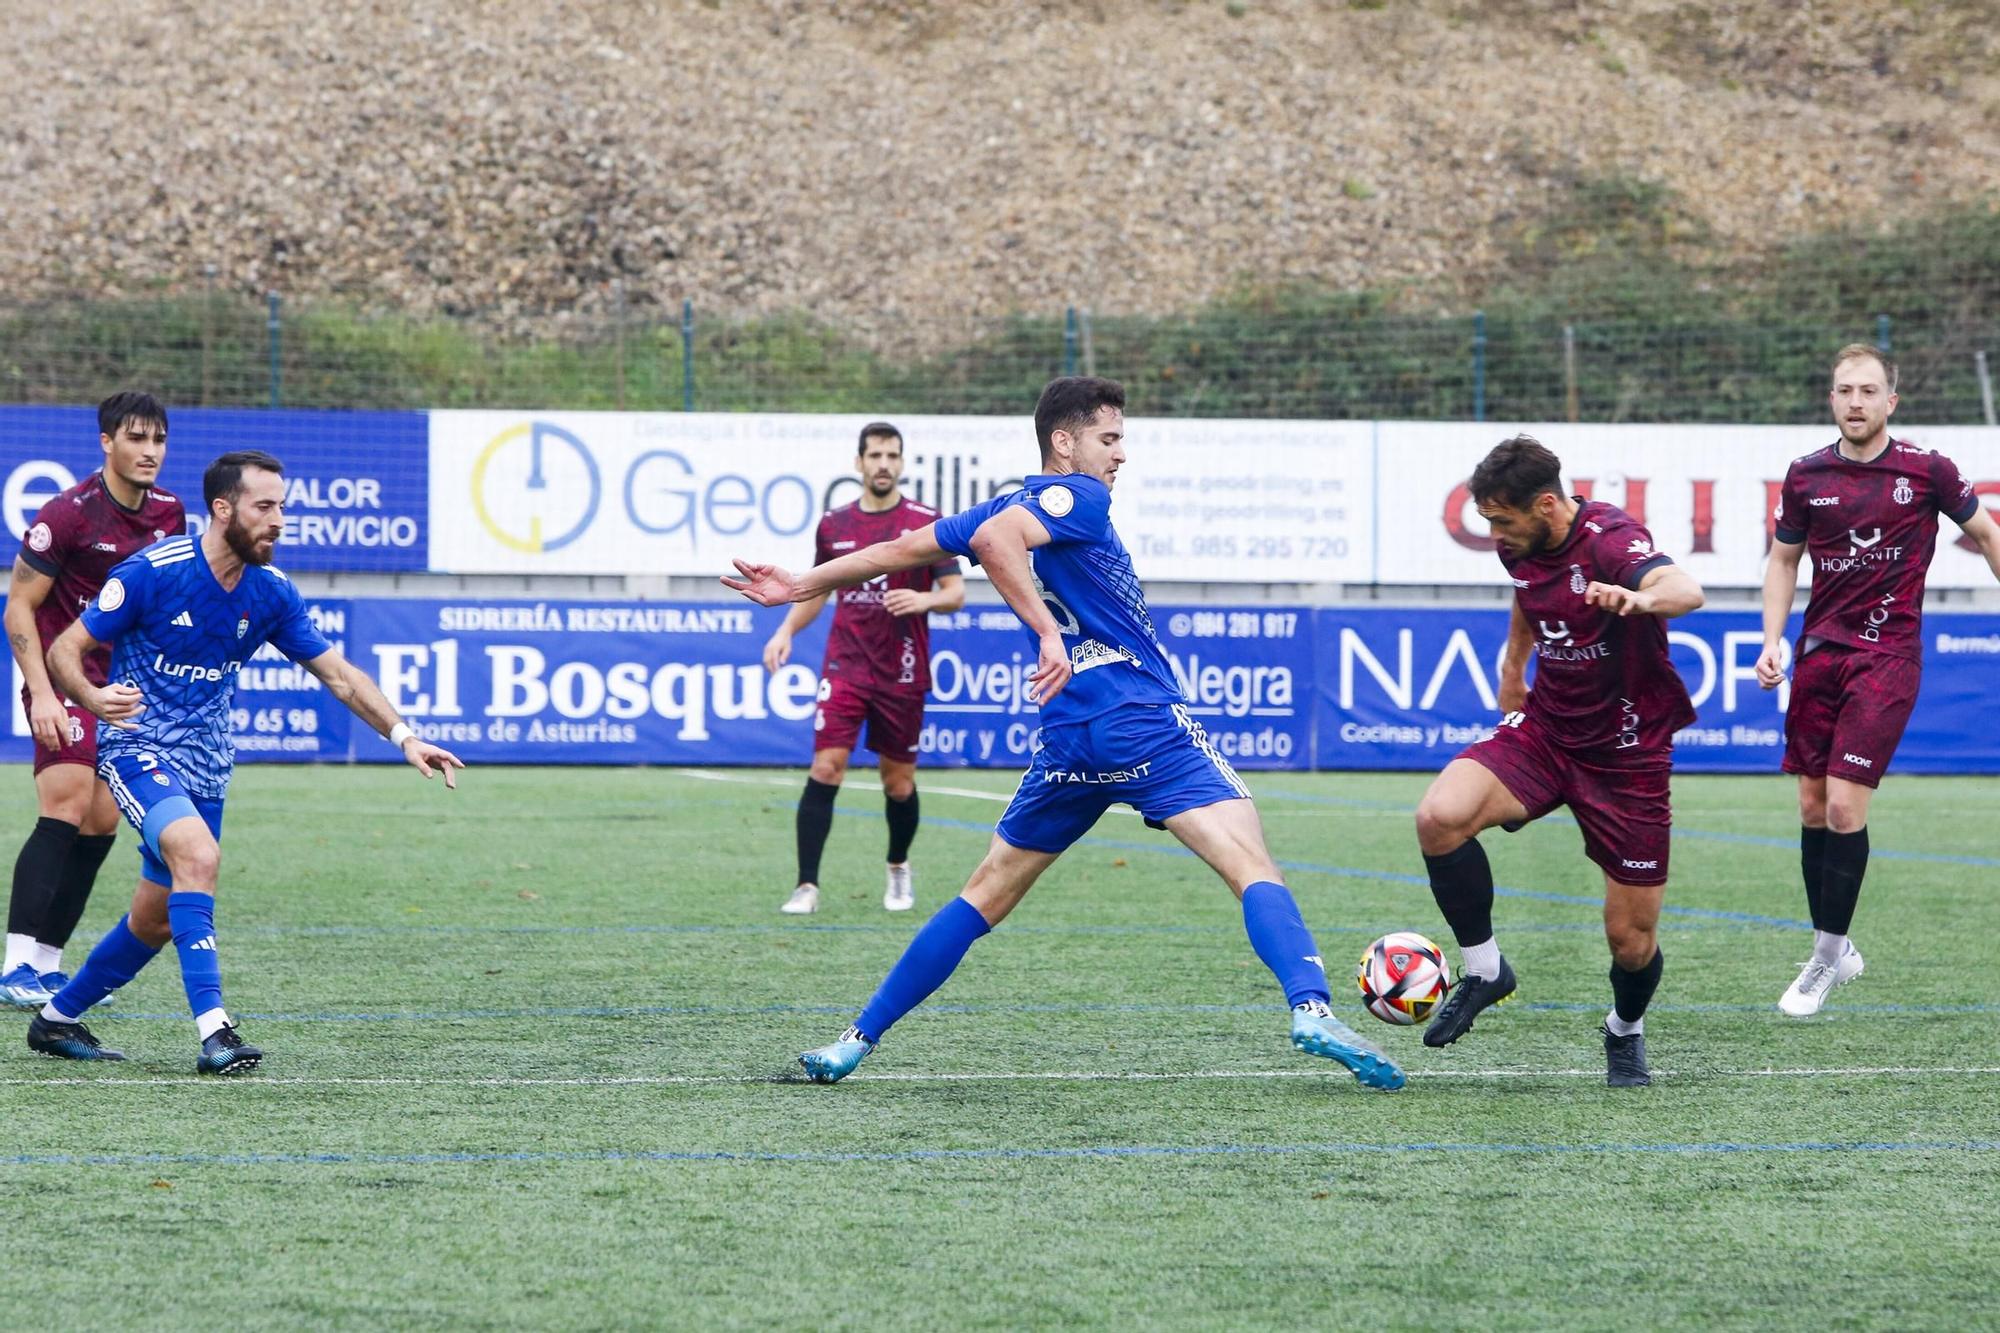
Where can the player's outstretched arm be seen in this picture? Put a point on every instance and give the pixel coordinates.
(1781, 581)
(1002, 544)
(1666, 591)
(358, 690)
(114, 704)
(768, 585)
(1980, 527)
(26, 592)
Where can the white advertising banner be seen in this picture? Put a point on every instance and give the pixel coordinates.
(682, 493)
(1707, 492)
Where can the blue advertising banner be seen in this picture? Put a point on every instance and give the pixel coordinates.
(358, 492)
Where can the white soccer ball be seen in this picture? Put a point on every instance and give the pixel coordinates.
(1403, 977)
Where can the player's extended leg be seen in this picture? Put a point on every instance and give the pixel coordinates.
(1229, 836)
(62, 799)
(899, 806)
(1464, 800)
(194, 856)
(1836, 810)
(994, 890)
(815, 821)
(1632, 929)
(95, 838)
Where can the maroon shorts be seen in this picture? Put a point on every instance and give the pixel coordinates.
(79, 738)
(895, 721)
(1624, 812)
(1848, 710)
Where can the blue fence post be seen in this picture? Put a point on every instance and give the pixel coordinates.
(1882, 333)
(273, 325)
(687, 354)
(1069, 341)
(1479, 365)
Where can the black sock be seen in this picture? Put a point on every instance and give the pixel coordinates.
(815, 822)
(902, 825)
(1631, 992)
(86, 855)
(37, 871)
(1840, 881)
(1812, 864)
(1462, 883)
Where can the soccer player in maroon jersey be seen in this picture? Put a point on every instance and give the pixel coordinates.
(1866, 507)
(1595, 733)
(877, 667)
(64, 558)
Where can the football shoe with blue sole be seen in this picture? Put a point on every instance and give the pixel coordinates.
(224, 1052)
(66, 1041)
(830, 1064)
(1317, 1032)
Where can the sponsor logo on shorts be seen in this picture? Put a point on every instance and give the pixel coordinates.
(1057, 775)
(1857, 761)
(1639, 865)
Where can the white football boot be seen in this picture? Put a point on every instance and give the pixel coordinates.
(901, 893)
(803, 902)
(1803, 998)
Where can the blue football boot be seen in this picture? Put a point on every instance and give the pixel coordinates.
(23, 988)
(1317, 1032)
(226, 1053)
(830, 1064)
(66, 1041)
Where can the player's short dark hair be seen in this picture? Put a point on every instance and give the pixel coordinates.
(1855, 351)
(1515, 472)
(131, 405)
(1071, 403)
(224, 478)
(875, 430)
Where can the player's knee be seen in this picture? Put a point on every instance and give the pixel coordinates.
(148, 921)
(195, 868)
(1632, 947)
(1846, 816)
(1439, 830)
(900, 787)
(828, 769)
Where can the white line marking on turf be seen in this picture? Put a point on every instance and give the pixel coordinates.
(972, 793)
(1041, 1076)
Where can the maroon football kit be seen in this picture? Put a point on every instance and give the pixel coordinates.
(1869, 531)
(77, 539)
(1597, 732)
(878, 666)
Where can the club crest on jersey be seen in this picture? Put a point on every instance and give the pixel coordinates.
(161, 778)
(1903, 494)
(1578, 584)
(40, 538)
(242, 626)
(1057, 500)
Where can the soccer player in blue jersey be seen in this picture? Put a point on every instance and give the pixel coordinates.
(1115, 725)
(182, 616)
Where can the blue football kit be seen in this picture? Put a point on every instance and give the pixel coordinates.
(181, 638)
(1120, 729)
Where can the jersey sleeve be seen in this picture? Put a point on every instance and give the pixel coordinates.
(1956, 499)
(823, 540)
(1623, 554)
(45, 545)
(1789, 518)
(294, 634)
(947, 566)
(1073, 508)
(121, 601)
(179, 527)
(954, 534)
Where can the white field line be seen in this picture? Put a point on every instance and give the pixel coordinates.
(971, 793)
(1041, 1076)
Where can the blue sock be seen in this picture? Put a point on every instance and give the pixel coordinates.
(1280, 937)
(115, 960)
(192, 916)
(931, 957)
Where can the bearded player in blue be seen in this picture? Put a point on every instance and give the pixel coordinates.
(1114, 726)
(183, 616)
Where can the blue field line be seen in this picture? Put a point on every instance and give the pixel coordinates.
(1049, 1007)
(1101, 1152)
(1695, 835)
(1166, 846)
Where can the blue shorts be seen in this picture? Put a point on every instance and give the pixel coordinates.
(1153, 757)
(150, 793)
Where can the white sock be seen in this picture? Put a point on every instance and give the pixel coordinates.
(20, 949)
(55, 1015)
(1618, 1027)
(1479, 960)
(48, 958)
(1827, 947)
(210, 1023)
